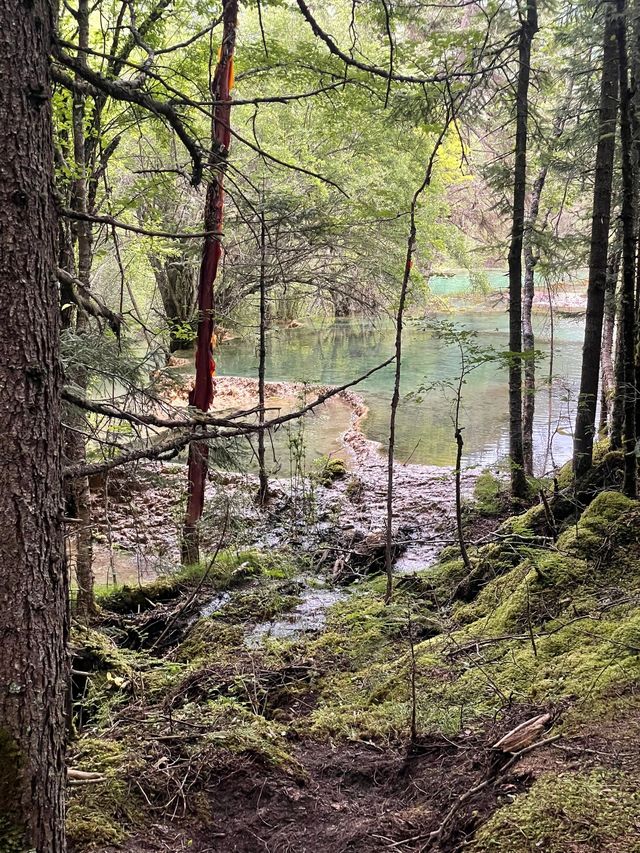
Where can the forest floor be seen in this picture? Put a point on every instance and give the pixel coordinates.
(271, 701)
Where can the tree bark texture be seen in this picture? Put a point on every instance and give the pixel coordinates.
(34, 588)
(627, 330)
(600, 223)
(202, 395)
(528, 30)
(78, 491)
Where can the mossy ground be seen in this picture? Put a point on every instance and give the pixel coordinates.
(597, 810)
(549, 621)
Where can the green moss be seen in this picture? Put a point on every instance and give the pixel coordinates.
(598, 811)
(488, 495)
(211, 638)
(579, 652)
(231, 569)
(103, 813)
(258, 604)
(234, 727)
(12, 839)
(528, 525)
(328, 469)
(587, 536)
(565, 476)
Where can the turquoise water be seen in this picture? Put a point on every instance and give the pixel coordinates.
(340, 351)
(463, 282)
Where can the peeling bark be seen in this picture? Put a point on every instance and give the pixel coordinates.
(202, 395)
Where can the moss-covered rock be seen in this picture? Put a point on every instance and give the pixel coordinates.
(327, 469)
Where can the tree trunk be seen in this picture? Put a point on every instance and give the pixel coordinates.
(617, 408)
(588, 396)
(530, 261)
(527, 32)
(202, 395)
(606, 368)
(628, 259)
(34, 588)
(263, 489)
(78, 492)
(176, 280)
(528, 339)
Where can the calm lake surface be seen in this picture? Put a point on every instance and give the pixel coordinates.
(340, 351)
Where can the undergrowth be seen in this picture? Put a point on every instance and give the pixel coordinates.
(549, 618)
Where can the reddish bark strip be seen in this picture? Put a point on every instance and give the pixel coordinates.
(202, 395)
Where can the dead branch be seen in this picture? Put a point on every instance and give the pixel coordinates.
(89, 302)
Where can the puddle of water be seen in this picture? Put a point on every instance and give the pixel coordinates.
(310, 615)
(216, 603)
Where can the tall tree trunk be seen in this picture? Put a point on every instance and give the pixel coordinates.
(34, 588)
(263, 490)
(617, 408)
(600, 222)
(607, 382)
(202, 395)
(77, 491)
(628, 258)
(530, 261)
(528, 339)
(527, 31)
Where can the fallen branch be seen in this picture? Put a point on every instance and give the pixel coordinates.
(436, 835)
(83, 777)
(174, 445)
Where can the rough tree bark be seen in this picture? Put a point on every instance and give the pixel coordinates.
(34, 589)
(600, 222)
(528, 30)
(202, 395)
(617, 408)
(627, 295)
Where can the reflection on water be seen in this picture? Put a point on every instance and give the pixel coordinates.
(338, 352)
(293, 447)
